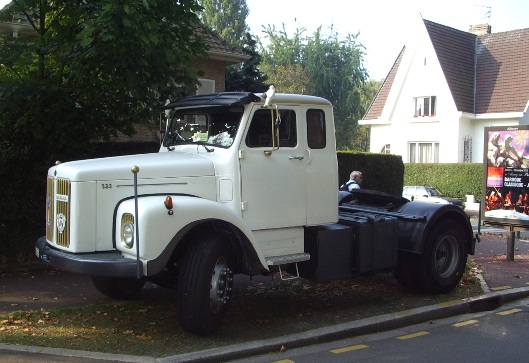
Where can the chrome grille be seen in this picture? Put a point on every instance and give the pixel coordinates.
(50, 209)
(58, 211)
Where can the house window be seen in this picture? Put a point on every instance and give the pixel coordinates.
(424, 152)
(467, 150)
(206, 86)
(386, 149)
(425, 106)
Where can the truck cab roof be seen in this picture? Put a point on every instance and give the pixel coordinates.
(241, 99)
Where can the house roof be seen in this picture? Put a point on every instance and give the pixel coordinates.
(455, 51)
(502, 72)
(376, 107)
(485, 74)
(219, 49)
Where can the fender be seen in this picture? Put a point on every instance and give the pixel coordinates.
(416, 219)
(159, 228)
(412, 234)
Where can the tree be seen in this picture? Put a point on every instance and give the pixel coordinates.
(91, 69)
(334, 69)
(291, 78)
(227, 18)
(94, 68)
(246, 76)
(361, 139)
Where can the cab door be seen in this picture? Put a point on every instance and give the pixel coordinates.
(273, 175)
(321, 165)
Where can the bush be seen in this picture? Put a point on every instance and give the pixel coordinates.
(384, 172)
(454, 180)
(23, 196)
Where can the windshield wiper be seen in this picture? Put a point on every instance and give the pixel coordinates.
(207, 148)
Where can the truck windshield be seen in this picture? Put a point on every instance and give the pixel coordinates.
(215, 126)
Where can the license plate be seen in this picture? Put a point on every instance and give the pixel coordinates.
(37, 252)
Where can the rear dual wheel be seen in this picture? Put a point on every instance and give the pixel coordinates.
(441, 266)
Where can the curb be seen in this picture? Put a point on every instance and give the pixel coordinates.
(487, 302)
(360, 327)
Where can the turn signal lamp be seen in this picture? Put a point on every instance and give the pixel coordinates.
(169, 204)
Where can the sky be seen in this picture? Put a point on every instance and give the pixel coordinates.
(383, 25)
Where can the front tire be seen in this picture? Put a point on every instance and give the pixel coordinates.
(118, 288)
(204, 285)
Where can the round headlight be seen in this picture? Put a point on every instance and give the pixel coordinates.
(127, 234)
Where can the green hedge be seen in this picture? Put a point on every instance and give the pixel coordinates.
(454, 180)
(23, 194)
(384, 172)
(388, 173)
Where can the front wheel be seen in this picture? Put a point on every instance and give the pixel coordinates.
(118, 288)
(441, 266)
(204, 285)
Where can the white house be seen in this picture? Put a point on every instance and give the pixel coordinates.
(445, 86)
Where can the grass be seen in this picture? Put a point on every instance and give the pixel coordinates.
(137, 328)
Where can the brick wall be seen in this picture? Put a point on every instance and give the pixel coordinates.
(215, 70)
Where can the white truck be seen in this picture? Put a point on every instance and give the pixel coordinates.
(242, 184)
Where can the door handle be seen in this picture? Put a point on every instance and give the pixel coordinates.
(296, 157)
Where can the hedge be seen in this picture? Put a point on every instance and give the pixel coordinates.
(454, 180)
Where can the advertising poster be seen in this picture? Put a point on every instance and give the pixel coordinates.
(506, 175)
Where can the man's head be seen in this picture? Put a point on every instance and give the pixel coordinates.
(356, 176)
(508, 138)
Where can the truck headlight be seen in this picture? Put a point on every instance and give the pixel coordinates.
(127, 230)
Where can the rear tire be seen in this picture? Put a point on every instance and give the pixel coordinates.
(441, 266)
(404, 272)
(118, 288)
(204, 285)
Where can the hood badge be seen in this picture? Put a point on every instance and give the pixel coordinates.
(61, 222)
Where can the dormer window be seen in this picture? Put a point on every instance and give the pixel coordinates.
(425, 106)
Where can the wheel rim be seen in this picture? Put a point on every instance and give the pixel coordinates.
(221, 284)
(446, 256)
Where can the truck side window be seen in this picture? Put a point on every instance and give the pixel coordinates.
(316, 129)
(260, 131)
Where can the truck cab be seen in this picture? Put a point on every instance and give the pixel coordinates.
(243, 183)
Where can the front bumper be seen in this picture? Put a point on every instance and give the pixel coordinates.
(108, 264)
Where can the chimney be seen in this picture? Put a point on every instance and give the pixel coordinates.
(480, 29)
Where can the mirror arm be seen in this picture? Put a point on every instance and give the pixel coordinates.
(275, 130)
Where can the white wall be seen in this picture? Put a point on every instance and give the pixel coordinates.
(419, 75)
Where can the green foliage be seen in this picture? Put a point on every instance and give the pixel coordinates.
(289, 78)
(227, 18)
(454, 180)
(90, 70)
(246, 76)
(327, 67)
(383, 172)
(93, 69)
(23, 194)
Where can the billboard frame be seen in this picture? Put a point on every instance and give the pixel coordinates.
(505, 188)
